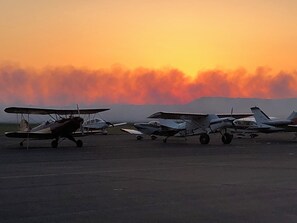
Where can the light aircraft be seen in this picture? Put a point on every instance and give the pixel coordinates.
(58, 128)
(189, 124)
(266, 124)
(99, 124)
(164, 127)
(246, 126)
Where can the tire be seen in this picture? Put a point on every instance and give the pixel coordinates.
(153, 137)
(55, 143)
(227, 138)
(204, 139)
(79, 143)
(139, 137)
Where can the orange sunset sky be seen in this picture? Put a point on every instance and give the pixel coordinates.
(136, 51)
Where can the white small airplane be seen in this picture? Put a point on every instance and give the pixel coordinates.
(266, 124)
(189, 124)
(98, 124)
(62, 124)
(164, 127)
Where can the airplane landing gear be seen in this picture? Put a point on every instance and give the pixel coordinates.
(55, 143)
(139, 137)
(79, 143)
(204, 139)
(227, 138)
(153, 137)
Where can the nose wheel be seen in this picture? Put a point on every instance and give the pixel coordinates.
(79, 143)
(204, 139)
(227, 138)
(55, 143)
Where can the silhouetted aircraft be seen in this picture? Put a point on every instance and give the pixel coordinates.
(63, 124)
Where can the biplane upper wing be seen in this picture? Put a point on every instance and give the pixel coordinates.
(45, 111)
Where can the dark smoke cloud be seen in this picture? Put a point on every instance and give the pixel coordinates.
(69, 85)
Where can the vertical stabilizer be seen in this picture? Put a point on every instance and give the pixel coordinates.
(293, 117)
(260, 116)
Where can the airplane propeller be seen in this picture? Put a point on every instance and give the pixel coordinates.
(81, 123)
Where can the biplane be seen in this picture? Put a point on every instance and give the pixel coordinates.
(62, 125)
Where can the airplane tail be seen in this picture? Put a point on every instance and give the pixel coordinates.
(259, 115)
(293, 117)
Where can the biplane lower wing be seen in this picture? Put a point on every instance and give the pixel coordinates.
(30, 135)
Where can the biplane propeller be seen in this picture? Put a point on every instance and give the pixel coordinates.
(63, 125)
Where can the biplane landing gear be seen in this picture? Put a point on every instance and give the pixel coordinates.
(55, 143)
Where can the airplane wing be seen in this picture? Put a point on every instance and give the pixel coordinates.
(30, 135)
(177, 115)
(45, 111)
(194, 116)
(119, 124)
(236, 115)
(132, 131)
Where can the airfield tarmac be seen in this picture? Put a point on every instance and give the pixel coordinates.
(115, 178)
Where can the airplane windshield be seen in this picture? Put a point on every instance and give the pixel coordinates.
(156, 123)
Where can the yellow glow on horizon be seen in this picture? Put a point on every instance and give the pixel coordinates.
(187, 35)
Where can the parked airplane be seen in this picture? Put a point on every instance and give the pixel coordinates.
(98, 124)
(267, 125)
(191, 124)
(59, 128)
(163, 127)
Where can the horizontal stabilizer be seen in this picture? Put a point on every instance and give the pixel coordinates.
(132, 131)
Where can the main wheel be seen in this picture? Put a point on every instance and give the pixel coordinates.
(153, 137)
(204, 139)
(55, 143)
(227, 138)
(139, 137)
(79, 143)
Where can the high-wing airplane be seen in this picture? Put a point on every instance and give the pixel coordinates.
(192, 124)
(201, 124)
(266, 124)
(162, 127)
(58, 128)
(100, 124)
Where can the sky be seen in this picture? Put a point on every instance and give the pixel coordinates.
(146, 52)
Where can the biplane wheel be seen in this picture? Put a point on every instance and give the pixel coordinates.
(79, 143)
(55, 143)
(227, 138)
(204, 139)
(139, 137)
